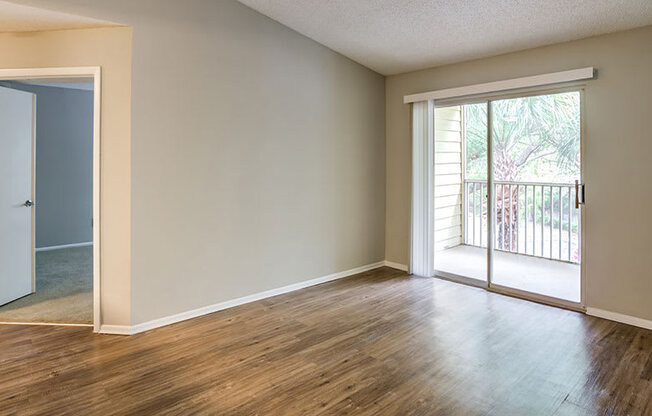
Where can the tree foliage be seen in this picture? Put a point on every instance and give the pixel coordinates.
(534, 138)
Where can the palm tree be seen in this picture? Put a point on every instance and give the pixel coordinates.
(528, 133)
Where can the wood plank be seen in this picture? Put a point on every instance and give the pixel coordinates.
(448, 136)
(447, 212)
(378, 343)
(452, 179)
(447, 168)
(447, 125)
(448, 243)
(448, 147)
(447, 201)
(449, 113)
(448, 158)
(448, 233)
(445, 190)
(448, 222)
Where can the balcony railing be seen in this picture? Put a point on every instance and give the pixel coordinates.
(537, 219)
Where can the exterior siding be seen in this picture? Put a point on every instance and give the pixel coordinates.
(448, 177)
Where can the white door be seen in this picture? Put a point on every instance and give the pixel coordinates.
(17, 114)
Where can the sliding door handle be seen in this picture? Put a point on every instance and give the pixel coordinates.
(579, 194)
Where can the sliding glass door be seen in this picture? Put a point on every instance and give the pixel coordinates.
(461, 210)
(536, 160)
(507, 207)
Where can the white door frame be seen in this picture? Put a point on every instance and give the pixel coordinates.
(79, 72)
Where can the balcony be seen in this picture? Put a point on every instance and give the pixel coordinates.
(531, 145)
(536, 241)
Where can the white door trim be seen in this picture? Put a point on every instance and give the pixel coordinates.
(33, 183)
(80, 72)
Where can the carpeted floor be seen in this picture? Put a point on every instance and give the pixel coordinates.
(64, 289)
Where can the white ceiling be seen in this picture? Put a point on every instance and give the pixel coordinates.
(394, 36)
(19, 18)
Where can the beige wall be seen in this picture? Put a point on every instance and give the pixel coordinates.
(110, 49)
(258, 158)
(618, 145)
(258, 155)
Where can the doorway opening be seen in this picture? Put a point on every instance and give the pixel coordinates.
(49, 272)
(508, 194)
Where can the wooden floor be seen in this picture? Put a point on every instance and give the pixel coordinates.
(379, 343)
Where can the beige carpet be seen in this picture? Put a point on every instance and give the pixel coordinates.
(64, 289)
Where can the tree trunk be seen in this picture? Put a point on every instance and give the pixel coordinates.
(506, 169)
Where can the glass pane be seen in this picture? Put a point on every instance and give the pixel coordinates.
(460, 191)
(536, 159)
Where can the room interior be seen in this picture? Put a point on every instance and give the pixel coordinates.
(63, 215)
(297, 219)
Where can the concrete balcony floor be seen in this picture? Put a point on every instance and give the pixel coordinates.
(552, 278)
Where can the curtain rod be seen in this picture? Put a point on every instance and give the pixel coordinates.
(510, 84)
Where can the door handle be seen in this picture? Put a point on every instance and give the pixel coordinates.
(579, 194)
(28, 203)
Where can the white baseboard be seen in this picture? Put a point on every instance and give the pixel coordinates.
(50, 248)
(44, 324)
(167, 320)
(115, 329)
(619, 317)
(397, 266)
